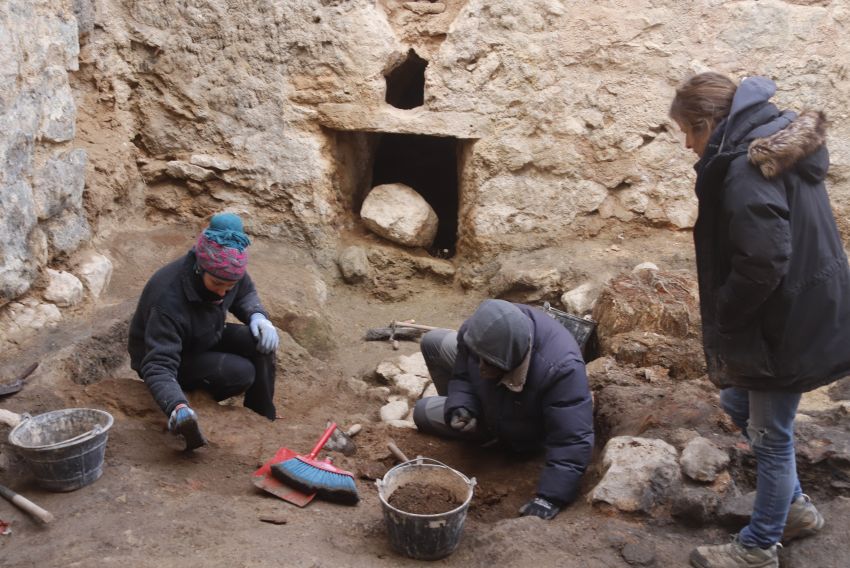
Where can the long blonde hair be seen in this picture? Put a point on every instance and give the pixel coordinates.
(703, 101)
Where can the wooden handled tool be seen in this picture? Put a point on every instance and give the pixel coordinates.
(26, 505)
(399, 455)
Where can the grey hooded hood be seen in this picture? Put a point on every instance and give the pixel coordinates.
(500, 334)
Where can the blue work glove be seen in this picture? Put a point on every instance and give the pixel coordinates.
(264, 332)
(540, 507)
(184, 422)
(462, 420)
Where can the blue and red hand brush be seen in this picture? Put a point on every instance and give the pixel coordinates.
(309, 475)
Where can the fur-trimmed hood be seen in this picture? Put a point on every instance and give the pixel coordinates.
(780, 151)
(776, 141)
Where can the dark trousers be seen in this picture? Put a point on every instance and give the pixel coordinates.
(231, 367)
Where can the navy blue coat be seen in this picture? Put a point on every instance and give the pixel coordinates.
(773, 276)
(554, 410)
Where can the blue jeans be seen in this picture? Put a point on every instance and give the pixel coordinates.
(767, 421)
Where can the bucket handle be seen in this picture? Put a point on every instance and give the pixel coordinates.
(90, 433)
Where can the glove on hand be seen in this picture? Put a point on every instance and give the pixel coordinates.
(463, 420)
(184, 422)
(540, 507)
(264, 332)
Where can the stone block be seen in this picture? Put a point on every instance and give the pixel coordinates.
(63, 288)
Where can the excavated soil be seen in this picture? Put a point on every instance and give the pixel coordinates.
(423, 499)
(156, 506)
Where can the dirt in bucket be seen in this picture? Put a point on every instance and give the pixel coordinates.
(423, 499)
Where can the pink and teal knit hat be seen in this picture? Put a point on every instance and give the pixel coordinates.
(220, 249)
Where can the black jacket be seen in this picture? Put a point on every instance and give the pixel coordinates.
(171, 319)
(554, 409)
(773, 276)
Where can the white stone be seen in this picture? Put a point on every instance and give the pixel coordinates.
(207, 161)
(639, 472)
(414, 364)
(63, 288)
(388, 369)
(703, 461)
(424, 8)
(185, 170)
(398, 213)
(579, 301)
(95, 270)
(645, 266)
(23, 319)
(409, 384)
(395, 410)
(409, 424)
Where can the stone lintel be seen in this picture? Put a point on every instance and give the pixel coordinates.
(355, 117)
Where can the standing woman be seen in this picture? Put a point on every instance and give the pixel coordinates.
(774, 287)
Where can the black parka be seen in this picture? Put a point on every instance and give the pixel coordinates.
(773, 275)
(172, 319)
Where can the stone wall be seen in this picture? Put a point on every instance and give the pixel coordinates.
(41, 172)
(273, 109)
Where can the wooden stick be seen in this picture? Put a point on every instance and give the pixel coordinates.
(26, 505)
(414, 326)
(399, 455)
(9, 418)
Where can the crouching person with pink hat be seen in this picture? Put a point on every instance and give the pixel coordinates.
(179, 340)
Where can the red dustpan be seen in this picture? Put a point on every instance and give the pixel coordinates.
(263, 479)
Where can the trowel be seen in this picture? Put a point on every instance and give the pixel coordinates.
(17, 384)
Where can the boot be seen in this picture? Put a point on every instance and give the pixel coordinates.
(734, 555)
(803, 519)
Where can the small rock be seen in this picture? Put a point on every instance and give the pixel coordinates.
(645, 266)
(638, 553)
(185, 170)
(402, 424)
(207, 161)
(354, 265)
(411, 385)
(702, 461)
(388, 370)
(395, 410)
(63, 288)
(735, 510)
(95, 271)
(579, 301)
(681, 436)
(414, 364)
(425, 8)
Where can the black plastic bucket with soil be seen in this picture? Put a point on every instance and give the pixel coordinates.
(424, 504)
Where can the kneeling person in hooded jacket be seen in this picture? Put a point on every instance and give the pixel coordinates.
(513, 374)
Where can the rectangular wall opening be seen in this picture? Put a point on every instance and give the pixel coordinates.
(428, 164)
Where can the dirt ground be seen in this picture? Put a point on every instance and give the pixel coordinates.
(156, 506)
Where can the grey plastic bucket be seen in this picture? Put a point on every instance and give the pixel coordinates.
(64, 448)
(425, 537)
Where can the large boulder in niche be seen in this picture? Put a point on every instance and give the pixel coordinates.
(398, 213)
